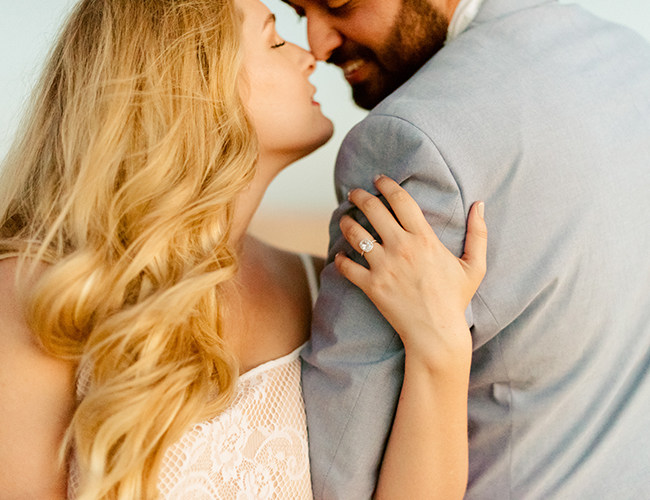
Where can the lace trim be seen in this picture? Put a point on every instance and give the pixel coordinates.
(269, 365)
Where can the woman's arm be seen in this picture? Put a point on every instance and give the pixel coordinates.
(36, 405)
(423, 291)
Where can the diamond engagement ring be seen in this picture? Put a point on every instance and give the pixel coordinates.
(366, 245)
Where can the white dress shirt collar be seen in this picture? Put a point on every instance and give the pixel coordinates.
(464, 14)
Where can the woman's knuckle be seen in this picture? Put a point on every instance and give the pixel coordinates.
(349, 227)
(406, 252)
(381, 284)
(400, 198)
(427, 242)
(370, 204)
(482, 233)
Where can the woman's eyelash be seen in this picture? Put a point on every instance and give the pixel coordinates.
(278, 45)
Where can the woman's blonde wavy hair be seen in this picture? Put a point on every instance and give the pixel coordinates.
(124, 178)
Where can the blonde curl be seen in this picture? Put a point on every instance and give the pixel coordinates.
(123, 178)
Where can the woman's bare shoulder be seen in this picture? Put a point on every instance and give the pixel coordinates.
(38, 399)
(14, 329)
(12, 321)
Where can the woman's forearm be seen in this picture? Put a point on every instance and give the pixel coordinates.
(426, 456)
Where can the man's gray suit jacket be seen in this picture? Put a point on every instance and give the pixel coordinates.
(543, 111)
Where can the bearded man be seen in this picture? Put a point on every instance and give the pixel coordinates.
(543, 111)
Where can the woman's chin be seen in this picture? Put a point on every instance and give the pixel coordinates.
(317, 142)
(285, 154)
(328, 132)
(327, 135)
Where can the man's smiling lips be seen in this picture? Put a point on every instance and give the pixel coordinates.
(353, 70)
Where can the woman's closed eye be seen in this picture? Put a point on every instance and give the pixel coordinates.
(276, 45)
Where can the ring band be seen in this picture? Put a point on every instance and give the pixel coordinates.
(366, 245)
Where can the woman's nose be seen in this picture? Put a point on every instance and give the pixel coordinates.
(310, 62)
(305, 59)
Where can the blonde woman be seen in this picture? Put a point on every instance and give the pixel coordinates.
(148, 346)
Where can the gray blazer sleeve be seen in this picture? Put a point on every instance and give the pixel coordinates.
(542, 111)
(352, 372)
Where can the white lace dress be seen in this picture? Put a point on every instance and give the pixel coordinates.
(255, 450)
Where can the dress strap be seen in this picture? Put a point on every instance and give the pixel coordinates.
(312, 279)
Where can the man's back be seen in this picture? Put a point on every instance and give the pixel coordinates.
(542, 111)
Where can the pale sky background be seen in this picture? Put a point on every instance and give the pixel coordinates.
(27, 28)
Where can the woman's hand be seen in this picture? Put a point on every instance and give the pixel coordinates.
(423, 291)
(415, 282)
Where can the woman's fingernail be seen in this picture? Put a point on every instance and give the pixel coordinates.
(348, 195)
(481, 210)
(377, 177)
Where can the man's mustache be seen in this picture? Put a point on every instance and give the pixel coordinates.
(350, 52)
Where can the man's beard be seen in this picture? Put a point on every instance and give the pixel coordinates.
(418, 33)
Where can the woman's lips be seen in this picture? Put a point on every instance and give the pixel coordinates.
(313, 94)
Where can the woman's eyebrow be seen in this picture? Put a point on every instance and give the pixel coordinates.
(269, 20)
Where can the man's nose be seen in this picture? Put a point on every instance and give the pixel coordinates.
(323, 37)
